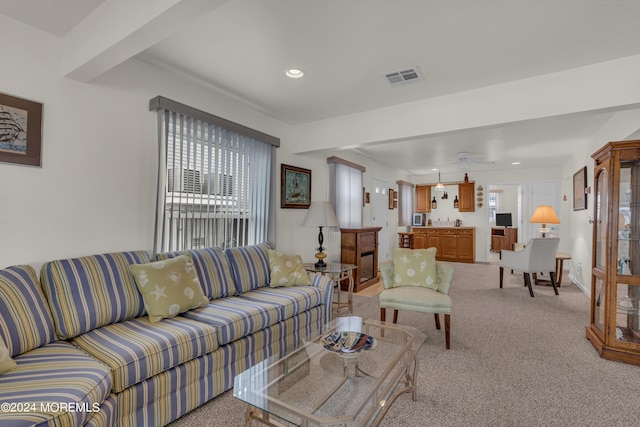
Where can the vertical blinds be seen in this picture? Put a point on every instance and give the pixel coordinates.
(405, 203)
(213, 182)
(345, 192)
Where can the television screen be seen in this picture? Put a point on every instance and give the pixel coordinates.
(503, 219)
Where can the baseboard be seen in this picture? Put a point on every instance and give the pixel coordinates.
(580, 286)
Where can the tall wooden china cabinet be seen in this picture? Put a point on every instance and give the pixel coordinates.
(614, 329)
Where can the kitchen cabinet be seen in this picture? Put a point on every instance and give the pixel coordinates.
(455, 244)
(466, 197)
(423, 198)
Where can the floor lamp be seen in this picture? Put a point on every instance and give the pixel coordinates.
(320, 214)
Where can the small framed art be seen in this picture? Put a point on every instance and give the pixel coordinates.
(295, 186)
(20, 130)
(579, 189)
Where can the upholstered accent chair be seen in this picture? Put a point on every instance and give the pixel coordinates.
(537, 256)
(410, 292)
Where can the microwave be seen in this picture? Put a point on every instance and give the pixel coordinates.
(418, 219)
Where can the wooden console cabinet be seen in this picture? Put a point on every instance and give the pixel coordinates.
(455, 244)
(503, 238)
(359, 246)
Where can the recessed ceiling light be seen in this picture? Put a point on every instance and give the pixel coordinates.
(294, 73)
(434, 169)
(515, 163)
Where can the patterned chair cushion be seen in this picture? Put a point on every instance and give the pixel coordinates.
(51, 375)
(25, 319)
(236, 317)
(415, 267)
(169, 287)
(93, 291)
(213, 270)
(139, 349)
(250, 266)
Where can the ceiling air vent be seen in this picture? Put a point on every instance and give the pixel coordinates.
(407, 75)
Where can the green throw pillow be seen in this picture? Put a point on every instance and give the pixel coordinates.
(286, 270)
(6, 362)
(415, 267)
(169, 287)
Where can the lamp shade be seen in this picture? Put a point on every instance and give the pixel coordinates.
(544, 215)
(320, 214)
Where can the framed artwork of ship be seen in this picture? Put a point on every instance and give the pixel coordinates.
(295, 186)
(20, 131)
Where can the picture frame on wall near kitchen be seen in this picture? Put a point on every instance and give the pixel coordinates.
(20, 131)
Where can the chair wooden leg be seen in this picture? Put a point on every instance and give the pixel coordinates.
(383, 314)
(437, 316)
(447, 330)
(527, 280)
(501, 274)
(552, 275)
(395, 316)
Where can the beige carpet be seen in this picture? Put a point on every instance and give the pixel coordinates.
(514, 361)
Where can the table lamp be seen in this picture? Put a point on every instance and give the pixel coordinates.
(320, 214)
(544, 215)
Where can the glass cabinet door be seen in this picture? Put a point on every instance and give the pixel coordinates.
(600, 249)
(628, 249)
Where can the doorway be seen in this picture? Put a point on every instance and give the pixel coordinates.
(505, 199)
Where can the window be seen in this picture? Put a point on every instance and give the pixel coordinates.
(345, 191)
(214, 180)
(405, 203)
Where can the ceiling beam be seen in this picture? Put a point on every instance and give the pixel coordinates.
(120, 29)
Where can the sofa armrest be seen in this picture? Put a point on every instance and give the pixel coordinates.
(326, 287)
(386, 272)
(444, 272)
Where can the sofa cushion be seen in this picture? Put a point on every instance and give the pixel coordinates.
(415, 267)
(49, 377)
(213, 270)
(169, 287)
(291, 300)
(138, 349)
(25, 319)
(6, 362)
(92, 291)
(286, 270)
(250, 266)
(236, 317)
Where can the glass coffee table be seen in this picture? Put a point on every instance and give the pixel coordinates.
(323, 383)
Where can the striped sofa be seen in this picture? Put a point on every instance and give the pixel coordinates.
(87, 354)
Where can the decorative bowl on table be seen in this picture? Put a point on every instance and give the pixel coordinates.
(347, 343)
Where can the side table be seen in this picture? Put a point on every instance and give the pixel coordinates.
(337, 272)
(560, 258)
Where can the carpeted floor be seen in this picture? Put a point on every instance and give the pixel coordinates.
(514, 361)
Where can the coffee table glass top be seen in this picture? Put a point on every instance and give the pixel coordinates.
(327, 381)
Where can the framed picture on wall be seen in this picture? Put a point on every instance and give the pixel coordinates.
(579, 189)
(20, 130)
(295, 186)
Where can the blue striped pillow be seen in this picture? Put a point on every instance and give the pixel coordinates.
(250, 266)
(213, 270)
(93, 291)
(25, 319)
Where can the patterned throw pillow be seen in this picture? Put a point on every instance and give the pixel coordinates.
(286, 270)
(415, 267)
(6, 362)
(169, 287)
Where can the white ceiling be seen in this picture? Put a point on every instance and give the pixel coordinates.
(243, 47)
